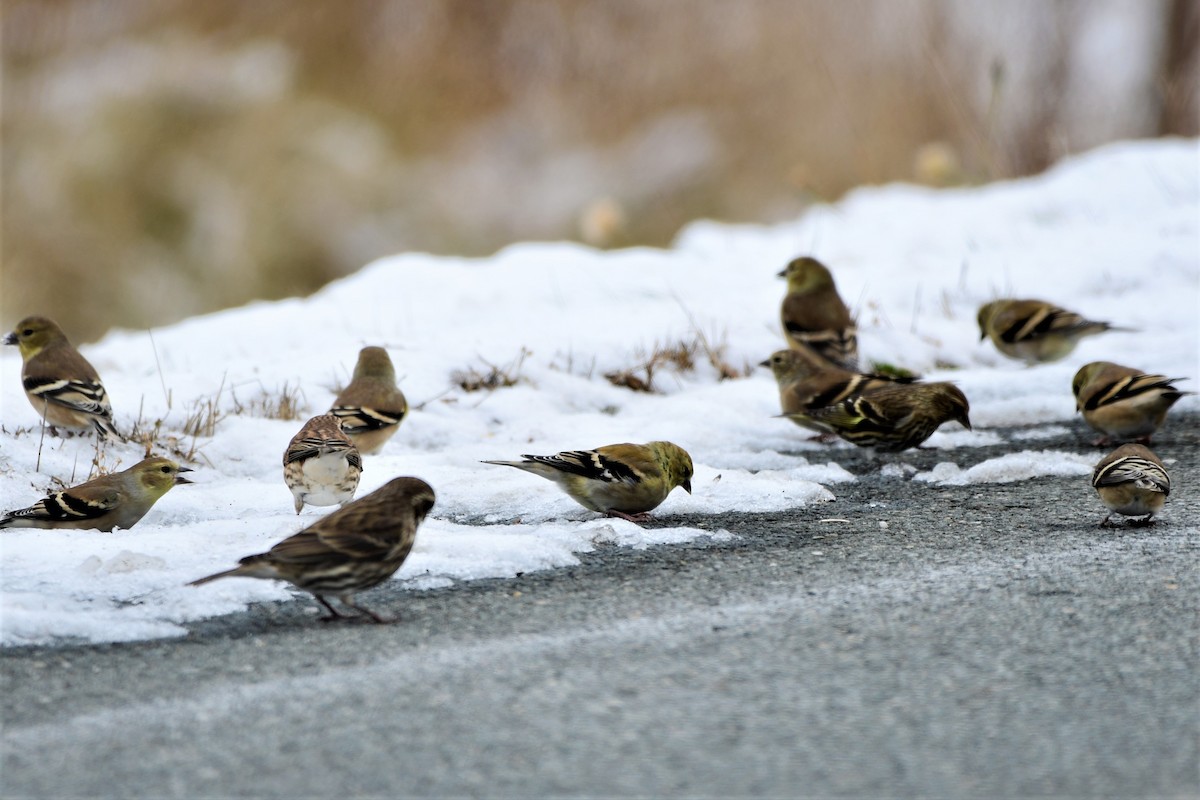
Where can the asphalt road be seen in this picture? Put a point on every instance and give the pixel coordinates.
(988, 641)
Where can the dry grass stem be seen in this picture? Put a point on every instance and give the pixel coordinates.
(493, 376)
(677, 358)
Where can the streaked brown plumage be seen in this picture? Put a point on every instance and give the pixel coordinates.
(815, 319)
(1035, 331)
(1121, 402)
(62, 386)
(803, 387)
(371, 407)
(893, 418)
(1131, 481)
(116, 500)
(351, 550)
(321, 465)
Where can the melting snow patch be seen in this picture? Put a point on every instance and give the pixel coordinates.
(1010, 467)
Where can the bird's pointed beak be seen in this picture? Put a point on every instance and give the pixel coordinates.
(687, 486)
(9, 338)
(781, 274)
(966, 422)
(766, 362)
(982, 335)
(179, 479)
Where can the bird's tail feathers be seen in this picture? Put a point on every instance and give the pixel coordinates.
(536, 467)
(216, 575)
(105, 428)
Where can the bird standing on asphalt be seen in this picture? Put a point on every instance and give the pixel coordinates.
(117, 500)
(1123, 403)
(353, 549)
(619, 480)
(61, 385)
(321, 465)
(1133, 482)
(815, 320)
(892, 418)
(1035, 331)
(371, 407)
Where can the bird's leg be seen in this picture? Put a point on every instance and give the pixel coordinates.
(1105, 523)
(1103, 441)
(634, 518)
(333, 614)
(349, 601)
(1142, 523)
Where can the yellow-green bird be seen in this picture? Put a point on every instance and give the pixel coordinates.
(815, 319)
(1132, 482)
(1121, 402)
(61, 385)
(1035, 331)
(117, 500)
(371, 407)
(619, 480)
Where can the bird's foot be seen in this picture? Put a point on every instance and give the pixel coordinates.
(368, 614)
(634, 518)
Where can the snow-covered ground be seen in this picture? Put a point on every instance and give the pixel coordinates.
(1114, 234)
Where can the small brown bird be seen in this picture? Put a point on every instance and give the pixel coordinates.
(619, 480)
(1133, 482)
(371, 407)
(117, 500)
(321, 465)
(61, 385)
(353, 549)
(1121, 402)
(1035, 331)
(893, 418)
(815, 320)
(803, 388)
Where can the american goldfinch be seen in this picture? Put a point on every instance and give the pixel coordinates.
(1122, 402)
(355, 548)
(321, 465)
(802, 388)
(117, 500)
(619, 480)
(371, 407)
(893, 418)
(61, 385)
(1035, 331)
(1131, 481)
(815, 319)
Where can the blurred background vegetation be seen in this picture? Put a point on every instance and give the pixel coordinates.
(163, 158)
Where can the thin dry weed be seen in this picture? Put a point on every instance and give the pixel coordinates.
(287, 402)
(492, 376)
(677, 358)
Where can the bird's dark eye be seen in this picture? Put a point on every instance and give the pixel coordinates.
(27, 332)
(166, 469)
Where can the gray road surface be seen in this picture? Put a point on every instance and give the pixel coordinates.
(989, 641)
